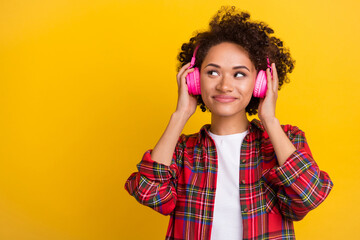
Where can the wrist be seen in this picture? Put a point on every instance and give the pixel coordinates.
(180, 116)
(270, 123)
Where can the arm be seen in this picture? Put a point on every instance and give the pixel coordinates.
(164, 149)
(282, 145)
(186, 107)
(155, 183)
(300, 184)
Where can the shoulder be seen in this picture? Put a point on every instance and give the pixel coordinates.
(188, 139)
(290, 130)
(194, 139)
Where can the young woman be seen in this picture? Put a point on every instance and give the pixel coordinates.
(234, 179)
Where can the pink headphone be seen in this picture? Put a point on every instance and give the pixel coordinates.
(193, 79)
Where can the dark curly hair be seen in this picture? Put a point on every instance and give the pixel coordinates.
(232, 25)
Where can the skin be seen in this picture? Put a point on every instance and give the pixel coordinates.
(218, 77)
(228, 70)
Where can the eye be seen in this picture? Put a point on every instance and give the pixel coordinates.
(212, 73)
(240, 74)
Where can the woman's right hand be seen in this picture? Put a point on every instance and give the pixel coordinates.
(186, 103)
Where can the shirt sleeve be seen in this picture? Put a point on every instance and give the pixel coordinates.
(301, 185)
(154, 185)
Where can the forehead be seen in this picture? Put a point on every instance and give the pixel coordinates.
(228, 54)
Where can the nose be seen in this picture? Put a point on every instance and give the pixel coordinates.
(225, 84)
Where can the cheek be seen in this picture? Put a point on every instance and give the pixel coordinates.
(251, 84)
(207, 89)
(246, 87)
(205, 92)
(206, 85)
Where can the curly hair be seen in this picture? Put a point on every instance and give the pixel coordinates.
(232, 25)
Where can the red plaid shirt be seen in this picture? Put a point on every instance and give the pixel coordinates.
(271, 197)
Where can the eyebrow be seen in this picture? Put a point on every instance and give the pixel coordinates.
(236, 67)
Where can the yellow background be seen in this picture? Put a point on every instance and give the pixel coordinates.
(87, 86)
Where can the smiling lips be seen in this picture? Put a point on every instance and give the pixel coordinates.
(224, 98)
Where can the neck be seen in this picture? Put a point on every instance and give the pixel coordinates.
(221, 125)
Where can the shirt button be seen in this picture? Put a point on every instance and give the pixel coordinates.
(245, 210)
(243, 161)
(243, 181)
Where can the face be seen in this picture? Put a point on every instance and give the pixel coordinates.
(227, 79)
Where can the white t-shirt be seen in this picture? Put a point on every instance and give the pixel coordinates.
(227, 221)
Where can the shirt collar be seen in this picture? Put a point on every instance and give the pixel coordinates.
(255, 125)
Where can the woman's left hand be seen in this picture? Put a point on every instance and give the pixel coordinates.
(267, 105)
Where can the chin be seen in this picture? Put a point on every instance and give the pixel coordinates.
(227, 112)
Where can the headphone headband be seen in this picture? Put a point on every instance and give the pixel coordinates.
(268, 64)
(192, 63)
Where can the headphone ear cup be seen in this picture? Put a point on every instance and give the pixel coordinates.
(260, 85)
(193, 82)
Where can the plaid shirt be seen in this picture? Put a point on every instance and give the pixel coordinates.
(271, 197)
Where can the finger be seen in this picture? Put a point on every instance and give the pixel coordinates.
(275, 77)
(183, 76)
(261, 102)
(186, 72)
(269, 80)
(183, 69)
